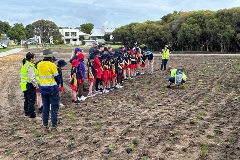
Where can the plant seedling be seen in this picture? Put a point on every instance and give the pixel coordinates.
(71, 115)
(130, 148)
(204, 150)
(110, 148)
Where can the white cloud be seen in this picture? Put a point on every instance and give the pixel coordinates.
(114, 13)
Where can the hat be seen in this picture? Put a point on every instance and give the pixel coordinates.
(77, 50)
(48, 53)
(131, 51)
(148, 52)
(80, 56)
(54, 59)
(61, 63)
(75, 63)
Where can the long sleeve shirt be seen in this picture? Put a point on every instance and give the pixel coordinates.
(31, 76)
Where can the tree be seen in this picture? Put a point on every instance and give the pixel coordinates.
(17, 32)
(45, 29)
(86, 28)
(29, 31)
(107, 37)
(4, 27)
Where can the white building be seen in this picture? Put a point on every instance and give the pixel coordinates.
(71, 36)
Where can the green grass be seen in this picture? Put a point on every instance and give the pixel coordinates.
(5, 49)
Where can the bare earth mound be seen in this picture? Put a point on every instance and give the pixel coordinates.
(200, 121)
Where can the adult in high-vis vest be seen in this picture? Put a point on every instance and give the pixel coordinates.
(165, 57)
(49, 78)
(29, 83)
(173, 76)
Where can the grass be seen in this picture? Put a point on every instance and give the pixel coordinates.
(5, 49)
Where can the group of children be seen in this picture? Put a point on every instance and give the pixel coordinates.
(106, 69)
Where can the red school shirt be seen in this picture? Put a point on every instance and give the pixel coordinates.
(97, 66)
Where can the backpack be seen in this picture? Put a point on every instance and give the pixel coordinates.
(178, 78)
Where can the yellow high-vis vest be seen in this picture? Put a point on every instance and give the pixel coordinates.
(24, 75)
(165, 54)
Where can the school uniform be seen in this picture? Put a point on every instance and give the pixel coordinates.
(91, 71)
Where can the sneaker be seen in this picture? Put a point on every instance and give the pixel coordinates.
(90, 95)
(125, 78)
(76, 101)
(82, 98)
(112, 88)
(61, 105)
(105, 91)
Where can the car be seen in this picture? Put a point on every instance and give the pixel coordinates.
(12, 44)
(3, 45)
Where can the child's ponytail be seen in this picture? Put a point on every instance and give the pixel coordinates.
(24, 61)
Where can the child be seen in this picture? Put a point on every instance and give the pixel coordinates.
(126, 66)
(98, 70)
(119, 69)
(105, 75)
(61, 63)
(150, 62)
(80, 76)
(91, 74)
(133, 65)
(39, 97)
(73, 81)
(113, 70)
(142, 62)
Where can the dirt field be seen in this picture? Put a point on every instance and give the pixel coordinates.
(201, 121)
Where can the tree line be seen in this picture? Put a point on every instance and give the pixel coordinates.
(186, 31)
(182, 31)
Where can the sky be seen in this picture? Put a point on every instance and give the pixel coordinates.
(108, 13)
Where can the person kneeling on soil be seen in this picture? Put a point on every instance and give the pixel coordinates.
(177, 77)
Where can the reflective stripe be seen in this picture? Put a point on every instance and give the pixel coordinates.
(56, 74)
(46, 77)
(47, 85)
(24, 75)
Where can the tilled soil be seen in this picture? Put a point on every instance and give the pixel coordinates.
(200, 121)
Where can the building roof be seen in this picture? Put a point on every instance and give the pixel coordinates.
(97, 32)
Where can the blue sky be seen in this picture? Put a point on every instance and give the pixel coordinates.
(109, 13)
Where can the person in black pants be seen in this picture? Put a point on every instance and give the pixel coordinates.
(29, 83)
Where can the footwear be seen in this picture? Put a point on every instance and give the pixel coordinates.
(125, 78)
(105, 91)
(76, 101)
(40, 110)
(82, 98)
(168, 86)
(61, 105)
(90, 95)
(112, 88)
